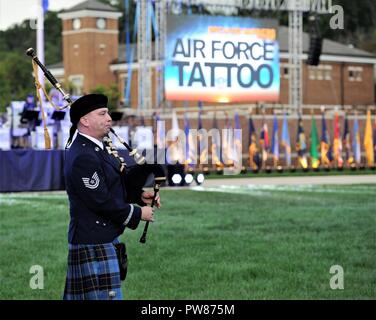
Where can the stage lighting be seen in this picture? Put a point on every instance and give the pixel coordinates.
(315, 48)
(315, 43)
(199, 178)
(176, 179)
(188, 178)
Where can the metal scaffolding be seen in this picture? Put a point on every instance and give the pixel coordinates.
(160, 41)
(296, 9)
(144, 55)
(295, 55)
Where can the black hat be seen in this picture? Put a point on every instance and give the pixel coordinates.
(82, 106)
(86, 104)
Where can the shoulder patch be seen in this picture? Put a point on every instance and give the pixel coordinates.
(93, 182)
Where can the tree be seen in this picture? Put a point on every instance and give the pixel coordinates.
(16, 79)
(112, 92)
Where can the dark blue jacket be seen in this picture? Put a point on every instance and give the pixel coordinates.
(98, 209)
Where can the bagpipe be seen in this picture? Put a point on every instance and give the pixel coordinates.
(134, 177)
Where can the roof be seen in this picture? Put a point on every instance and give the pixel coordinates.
(56, 65)
(91, 5)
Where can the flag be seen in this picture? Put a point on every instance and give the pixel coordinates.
(374, 141)
(275, 142)
(237, 145)
(301, 145)
(326, 151)
(286, 140)
(368, 141)
(216, 144)
(174, 126)
(161, 133)
(337, 142)
(254, 157)
(190, 145)
(175, 153)
(227, 143)
(315, 162)
(347, 142)
(45, 6)
(202, 138)
(264, 142)
(356, 142)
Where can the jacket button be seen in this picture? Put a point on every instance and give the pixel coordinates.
(97, 222)
(104, 224)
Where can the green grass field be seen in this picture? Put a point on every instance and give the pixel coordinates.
(231, 243)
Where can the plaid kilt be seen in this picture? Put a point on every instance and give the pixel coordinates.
(93, 273)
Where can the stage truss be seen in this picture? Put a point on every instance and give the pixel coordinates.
(296, 9)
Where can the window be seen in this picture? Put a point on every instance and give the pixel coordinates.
(355, 74)
(285, 71)
(321, 72)
(77, 83)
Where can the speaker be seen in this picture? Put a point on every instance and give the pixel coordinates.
(315, 48)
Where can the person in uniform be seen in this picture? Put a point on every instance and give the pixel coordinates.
(99, 211)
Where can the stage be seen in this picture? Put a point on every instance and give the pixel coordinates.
(35, 170)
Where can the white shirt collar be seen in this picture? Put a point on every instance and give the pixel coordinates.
(96, 141)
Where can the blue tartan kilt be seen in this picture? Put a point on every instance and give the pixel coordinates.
(93, 273)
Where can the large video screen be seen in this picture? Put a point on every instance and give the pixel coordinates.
(221, 59)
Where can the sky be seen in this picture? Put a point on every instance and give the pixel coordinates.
(15, 11)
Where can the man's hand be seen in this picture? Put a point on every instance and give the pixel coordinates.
(147, 214)
(147, 197)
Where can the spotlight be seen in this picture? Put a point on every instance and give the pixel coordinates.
(199, 178)
(188, 178)
(176, 179)
(279, 169)
(175, 175)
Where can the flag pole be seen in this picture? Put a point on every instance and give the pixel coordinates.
(40, 43)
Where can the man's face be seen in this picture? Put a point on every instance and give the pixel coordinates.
(97, 122)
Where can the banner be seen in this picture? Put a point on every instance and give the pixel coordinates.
(221, 59)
